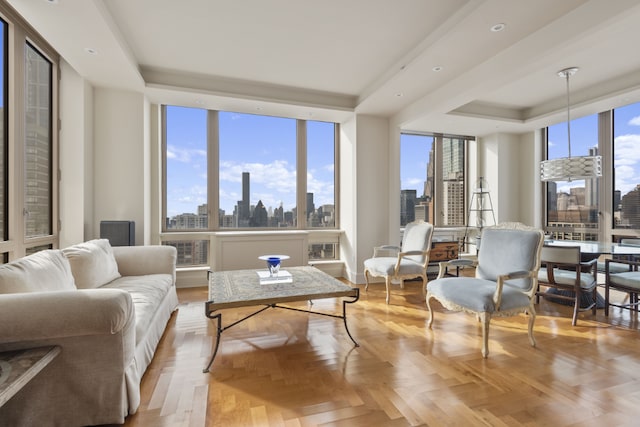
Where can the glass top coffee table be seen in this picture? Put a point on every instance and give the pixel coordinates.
(242, 288)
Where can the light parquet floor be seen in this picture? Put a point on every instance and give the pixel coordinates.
(286, 368)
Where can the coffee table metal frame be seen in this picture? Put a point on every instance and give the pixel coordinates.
(242, 288)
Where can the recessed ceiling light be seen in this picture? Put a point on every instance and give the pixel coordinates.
(498, 27)
(399, 94)
(51, 1)
(437, 68)
(90, 50)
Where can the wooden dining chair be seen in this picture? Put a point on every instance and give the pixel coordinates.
(575, 280)
(626, 281)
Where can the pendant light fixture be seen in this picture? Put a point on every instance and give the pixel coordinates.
(570, 168)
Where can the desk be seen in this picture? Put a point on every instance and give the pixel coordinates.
(241, 288)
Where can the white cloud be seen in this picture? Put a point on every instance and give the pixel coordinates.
(184, 155)
(269, 182)
(635, 121)
(626, 160)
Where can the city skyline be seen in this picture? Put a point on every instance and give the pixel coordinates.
(246, 214)
(584, 135)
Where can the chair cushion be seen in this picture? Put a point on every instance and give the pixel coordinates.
(92, 263)
(614, 267)
(567, 278)
(384, 266)
(473, 294)
(629, 279)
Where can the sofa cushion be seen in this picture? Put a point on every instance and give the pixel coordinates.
(147, 293)
(46, 270)
(92, 263)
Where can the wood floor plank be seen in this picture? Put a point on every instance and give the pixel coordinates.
(292, 369)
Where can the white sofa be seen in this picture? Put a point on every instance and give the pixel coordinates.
(106, 307)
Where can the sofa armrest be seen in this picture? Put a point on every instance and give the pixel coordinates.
(49, 315)
(142, 260)
(94, 380)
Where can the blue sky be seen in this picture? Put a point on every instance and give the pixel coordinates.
(263, 146)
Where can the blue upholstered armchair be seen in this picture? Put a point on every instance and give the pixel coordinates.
(505, 283)
(408, 262)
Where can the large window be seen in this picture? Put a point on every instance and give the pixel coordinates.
(432, 175)
(227, 170)
(38, 144)
(257, 171)
(28, 139)
(574, 209)
(626, 163)
(572, 206)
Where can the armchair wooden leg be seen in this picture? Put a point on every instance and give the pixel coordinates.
(430, 320)
(485, 318)
(366, 280)
(532, 320)
(388, 283)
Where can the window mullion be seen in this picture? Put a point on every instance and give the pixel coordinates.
(301, 173)
(213, 168)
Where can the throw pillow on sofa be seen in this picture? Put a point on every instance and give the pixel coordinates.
(47, 270)
(92, 263)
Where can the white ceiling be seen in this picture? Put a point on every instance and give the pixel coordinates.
(326, 59)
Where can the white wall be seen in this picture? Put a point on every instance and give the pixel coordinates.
(530, 185)
(364, 190)
(510, 164)
(121, 156)
(76, 142)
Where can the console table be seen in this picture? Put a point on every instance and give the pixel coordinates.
(18, 367)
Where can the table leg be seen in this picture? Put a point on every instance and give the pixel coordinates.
(219, 329)
(344, 315)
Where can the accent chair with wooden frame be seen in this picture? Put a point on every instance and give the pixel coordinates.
(401, 263)
(563, 270)
(505, 282)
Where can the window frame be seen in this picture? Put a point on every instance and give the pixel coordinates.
(18, 34)
(607, 232)
(438, 219)
(213, 177)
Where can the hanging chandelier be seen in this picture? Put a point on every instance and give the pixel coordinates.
(570, 168)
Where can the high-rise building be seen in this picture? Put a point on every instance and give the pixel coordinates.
(260, 218)
(453, 206)
(407, 206)
(591, 186)
(453, 203)
(630, 212)
(310, 205)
